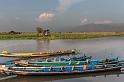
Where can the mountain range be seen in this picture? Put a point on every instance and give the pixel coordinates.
(98, 28)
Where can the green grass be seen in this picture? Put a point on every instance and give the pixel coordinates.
(55, 35)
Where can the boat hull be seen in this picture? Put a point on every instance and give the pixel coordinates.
(62, 73)
(38, 54)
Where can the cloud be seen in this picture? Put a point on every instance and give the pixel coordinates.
(63, 6)
(17, 18)
(66, 4)
(46, 16)
(103, 22)
(84, 21)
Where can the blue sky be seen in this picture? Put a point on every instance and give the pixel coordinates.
(25, 15)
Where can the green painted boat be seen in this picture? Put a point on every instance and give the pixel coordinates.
(56, 63)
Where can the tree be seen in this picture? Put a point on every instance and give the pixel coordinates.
(12, 32)
(39, 31)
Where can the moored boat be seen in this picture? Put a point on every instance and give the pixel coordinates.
(56, 61)
(88, 68)
(68, 72)
(38, 54)
(5, 73)
(54, 68)
(65, 67)
(38, 67)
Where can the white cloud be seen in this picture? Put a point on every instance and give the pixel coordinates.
(84, 21)
(63, 6)
(43, 17)
(66, 4)
(103, 22)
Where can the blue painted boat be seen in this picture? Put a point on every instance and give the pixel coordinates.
(61, 67)
(55, 68)
(49, 70)
(57, 62)
(7, 63)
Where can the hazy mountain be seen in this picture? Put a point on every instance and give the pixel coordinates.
(98, 28)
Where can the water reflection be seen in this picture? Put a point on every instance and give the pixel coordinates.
(61, 78)
(42, 45)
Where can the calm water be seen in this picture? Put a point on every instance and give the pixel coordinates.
(98, 48)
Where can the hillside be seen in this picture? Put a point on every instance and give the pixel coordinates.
(98, 28)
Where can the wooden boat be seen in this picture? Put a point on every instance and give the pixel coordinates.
(38, 54)
(65, 62)
(55, 63)
(61, 70)
(82, 58)
(110, 61)
(4, 72)
(65, 67)
(74, 72)
(54, 68)
(114, 62)
(6, 63)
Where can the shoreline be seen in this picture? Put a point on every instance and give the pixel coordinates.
(58, 35)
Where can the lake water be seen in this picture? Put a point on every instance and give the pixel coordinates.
(100, 48)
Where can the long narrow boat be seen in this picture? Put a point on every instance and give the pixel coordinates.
(4, 72)
(54, 68)
(38, 54)
(55, 63)
(29, 67)
(68, 72)
(65, 67)
(61, 70)
(64, 62)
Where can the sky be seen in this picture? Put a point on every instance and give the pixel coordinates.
(26, 15)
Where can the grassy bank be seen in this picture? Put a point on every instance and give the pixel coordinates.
(58, 35)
